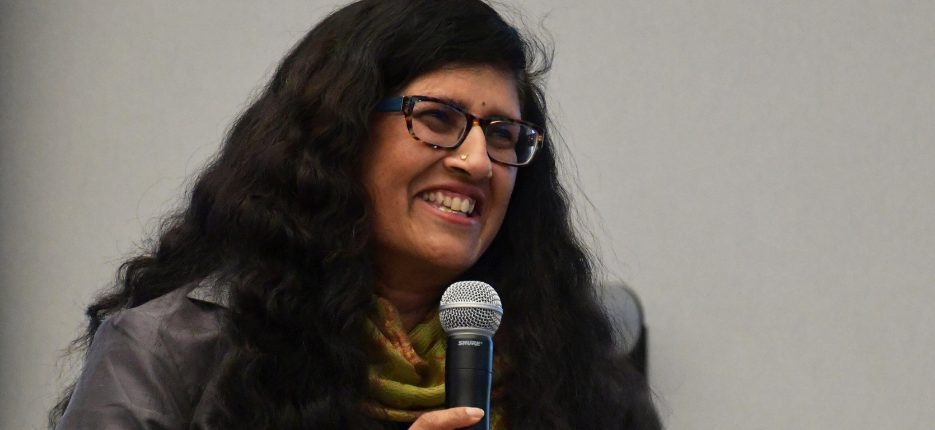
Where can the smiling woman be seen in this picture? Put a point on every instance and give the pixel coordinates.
(421, 236)
(401, 146)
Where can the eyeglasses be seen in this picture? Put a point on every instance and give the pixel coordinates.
(443, 125)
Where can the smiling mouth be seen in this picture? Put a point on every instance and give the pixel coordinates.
(460, 205)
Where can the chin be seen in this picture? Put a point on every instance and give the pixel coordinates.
(453, 265)
(453, 254)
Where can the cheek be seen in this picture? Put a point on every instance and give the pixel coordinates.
(505, 187)
(387, 196)
(504, 191)
(384, 167)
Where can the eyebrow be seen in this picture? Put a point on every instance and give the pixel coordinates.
(457, 103)
(497, 113)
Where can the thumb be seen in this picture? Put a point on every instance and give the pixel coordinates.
(448, 419)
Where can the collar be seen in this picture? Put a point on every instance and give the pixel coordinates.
(211, 290)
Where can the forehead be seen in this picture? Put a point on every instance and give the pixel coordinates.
(483, 90)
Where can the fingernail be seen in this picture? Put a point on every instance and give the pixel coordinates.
(474, 412)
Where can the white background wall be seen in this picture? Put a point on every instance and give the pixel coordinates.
(760, 172)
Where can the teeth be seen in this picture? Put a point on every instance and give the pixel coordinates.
(462, 205)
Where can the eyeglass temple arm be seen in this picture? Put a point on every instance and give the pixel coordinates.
(391, 104)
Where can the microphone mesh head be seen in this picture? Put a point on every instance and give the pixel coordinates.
(470, 306)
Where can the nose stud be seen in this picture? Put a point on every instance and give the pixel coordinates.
(464, 157)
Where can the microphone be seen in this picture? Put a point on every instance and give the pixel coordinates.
(470, 313)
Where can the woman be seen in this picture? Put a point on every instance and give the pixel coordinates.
(399, 147)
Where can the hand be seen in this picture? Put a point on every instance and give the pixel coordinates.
(448, 419)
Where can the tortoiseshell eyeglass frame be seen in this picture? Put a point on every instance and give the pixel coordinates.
(405, 104)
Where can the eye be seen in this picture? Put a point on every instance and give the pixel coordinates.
(438, 117)
(502, 135)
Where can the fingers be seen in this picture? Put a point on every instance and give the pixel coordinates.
(448, 419)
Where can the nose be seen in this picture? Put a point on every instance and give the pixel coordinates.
(470, 158)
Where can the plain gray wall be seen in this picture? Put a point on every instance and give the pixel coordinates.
(760, 172)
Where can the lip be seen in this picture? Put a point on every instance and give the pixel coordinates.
(474, 193)
(448, 216)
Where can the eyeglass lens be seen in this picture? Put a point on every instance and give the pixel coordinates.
(441, 125)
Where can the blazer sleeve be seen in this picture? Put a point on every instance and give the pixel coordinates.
(129, 380)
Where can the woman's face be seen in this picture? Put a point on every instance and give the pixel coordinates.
(410, 183)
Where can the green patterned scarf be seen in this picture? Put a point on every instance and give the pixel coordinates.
(409, 377)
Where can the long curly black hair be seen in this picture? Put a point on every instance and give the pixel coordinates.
(282, 211)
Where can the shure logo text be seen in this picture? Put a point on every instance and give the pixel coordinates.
(469, 343)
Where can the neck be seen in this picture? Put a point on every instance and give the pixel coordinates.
(413, 294)
(412, 285)
(412, 306)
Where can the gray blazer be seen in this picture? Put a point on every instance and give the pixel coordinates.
(152, 366)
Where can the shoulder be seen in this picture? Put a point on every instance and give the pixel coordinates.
(182, 330)
(150, 364)
(182, 317)
(177, 326)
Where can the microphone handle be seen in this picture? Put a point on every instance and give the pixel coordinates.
(469, 374)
